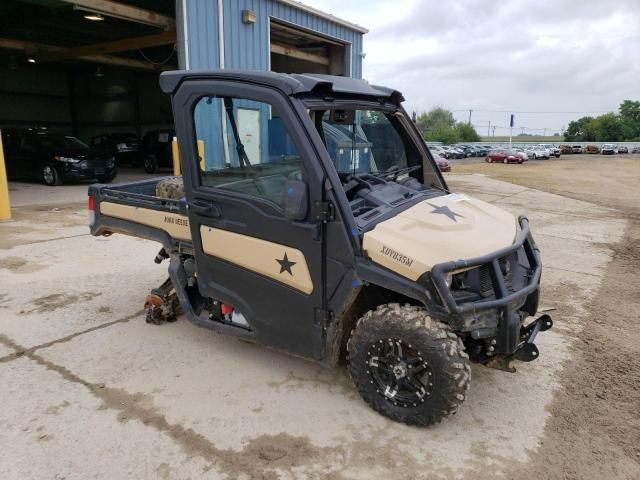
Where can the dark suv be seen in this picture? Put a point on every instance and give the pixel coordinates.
(53, 157)
(124, 147)
(155, 151)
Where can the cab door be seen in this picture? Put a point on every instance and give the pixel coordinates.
(249, 253)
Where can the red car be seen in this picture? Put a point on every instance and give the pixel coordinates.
(443, 164)
(503, 156)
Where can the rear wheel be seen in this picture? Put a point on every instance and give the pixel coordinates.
(50, 176)
(150, 164)
(408, 366)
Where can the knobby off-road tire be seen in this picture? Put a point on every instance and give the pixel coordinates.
(432, 351)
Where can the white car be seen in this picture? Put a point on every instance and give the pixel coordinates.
(437, 150)
(537, 151)
(553, 151)
(521, 153)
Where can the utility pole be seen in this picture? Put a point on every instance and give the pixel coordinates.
(494, 130)
(470, 111)
(489, 128)
(545, 132)
(522, 130)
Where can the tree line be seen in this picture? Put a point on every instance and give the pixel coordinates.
(610, 127)
(438, 125)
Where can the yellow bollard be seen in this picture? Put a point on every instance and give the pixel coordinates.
(5, 206)
(176, 156)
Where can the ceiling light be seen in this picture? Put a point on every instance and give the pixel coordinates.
(98, 72)
(94, 17)
(31, 60)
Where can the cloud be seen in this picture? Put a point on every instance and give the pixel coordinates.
(517, 55)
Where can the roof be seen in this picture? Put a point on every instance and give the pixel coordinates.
(326, 16)
(290, 84)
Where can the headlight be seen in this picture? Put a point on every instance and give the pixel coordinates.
(66, 159)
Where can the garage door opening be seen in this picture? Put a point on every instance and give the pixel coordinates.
(294, 50)
(86, 72)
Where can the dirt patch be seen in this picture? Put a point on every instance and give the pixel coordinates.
(594, 428)
(607, 181)
(57, 300)
(104, 309)
(593, 431)
(20, 265)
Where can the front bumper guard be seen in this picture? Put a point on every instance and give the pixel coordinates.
(510, 332)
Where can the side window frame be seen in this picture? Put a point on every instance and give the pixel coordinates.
(185, 101)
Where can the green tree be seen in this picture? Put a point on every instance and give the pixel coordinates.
(607, 128)
(466, 132)
(630, 119)
(580, 130)
(436, 119)
(445, 135)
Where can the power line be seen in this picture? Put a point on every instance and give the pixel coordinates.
(540, 113)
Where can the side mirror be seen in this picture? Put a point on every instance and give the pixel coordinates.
(296, 200)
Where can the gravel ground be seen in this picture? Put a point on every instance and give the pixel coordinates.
(90, 390)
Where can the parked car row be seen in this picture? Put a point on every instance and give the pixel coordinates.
(54, 158)
(605, 149)
(152, 152)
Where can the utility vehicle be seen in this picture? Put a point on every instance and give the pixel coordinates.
(281, 232)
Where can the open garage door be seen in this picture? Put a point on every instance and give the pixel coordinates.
(295, 50)
(85, 71)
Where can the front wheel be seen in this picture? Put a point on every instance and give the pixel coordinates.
(408, 366)
(50, 176)
(505, 161)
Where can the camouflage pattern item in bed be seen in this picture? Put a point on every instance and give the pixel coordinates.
(170, 187)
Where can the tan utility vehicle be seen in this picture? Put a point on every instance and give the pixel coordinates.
(315, 221)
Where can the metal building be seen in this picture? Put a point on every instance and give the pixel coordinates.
(279, 35)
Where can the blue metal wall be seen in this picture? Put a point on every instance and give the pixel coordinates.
(247, 46)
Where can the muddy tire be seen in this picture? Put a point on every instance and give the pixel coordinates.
(407, 366)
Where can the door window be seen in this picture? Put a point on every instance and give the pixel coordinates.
(244, 147)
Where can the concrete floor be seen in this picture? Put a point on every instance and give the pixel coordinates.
(23, 194)
(90, 390)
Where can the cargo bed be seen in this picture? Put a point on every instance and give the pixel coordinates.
(134, 209)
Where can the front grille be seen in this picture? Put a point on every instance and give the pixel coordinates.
(486, 286)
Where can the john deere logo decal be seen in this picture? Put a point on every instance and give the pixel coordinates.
(446, 211)
(397, 256)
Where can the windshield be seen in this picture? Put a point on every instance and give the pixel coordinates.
(65, 142)
(372, 142)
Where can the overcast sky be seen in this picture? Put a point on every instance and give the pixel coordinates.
(502, 55)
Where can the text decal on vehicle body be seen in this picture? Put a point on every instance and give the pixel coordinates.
(397, 256)
(184, 222)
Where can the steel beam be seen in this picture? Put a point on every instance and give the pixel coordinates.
(125, 12)
(299, 54)
(36, 49)
(164, 38)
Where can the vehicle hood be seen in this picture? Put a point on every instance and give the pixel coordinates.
(85, 154)
(441, 229)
